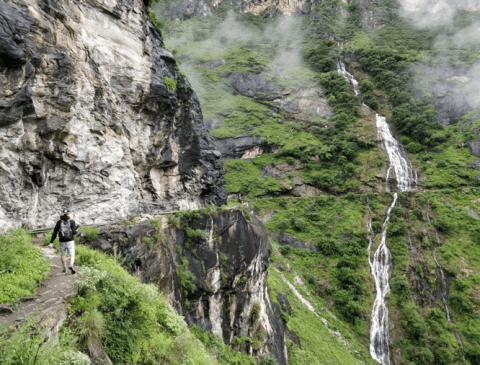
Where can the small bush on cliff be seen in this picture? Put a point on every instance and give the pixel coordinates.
(185, 276)
(22, 266)
(171, 84)
(157, 23)
(255, 315)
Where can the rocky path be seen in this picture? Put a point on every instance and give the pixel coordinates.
(50, 302)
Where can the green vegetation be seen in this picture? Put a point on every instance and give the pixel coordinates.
(133, 320)
(27, 346)
(90, 232)
(22, 266)
(158, 24)
(171, 84)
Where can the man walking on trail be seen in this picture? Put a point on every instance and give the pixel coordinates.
(66, 228)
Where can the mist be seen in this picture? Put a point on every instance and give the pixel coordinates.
(453, 71)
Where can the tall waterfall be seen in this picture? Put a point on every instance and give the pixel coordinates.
(396, 156)
(379, 322)
(381, 263)
(348, 76)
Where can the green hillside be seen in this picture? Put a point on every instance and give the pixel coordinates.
(342, 167)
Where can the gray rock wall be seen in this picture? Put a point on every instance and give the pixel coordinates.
(87, 121)
(229, 267)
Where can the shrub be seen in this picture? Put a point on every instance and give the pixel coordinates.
(90, 232)
(136, 314)
(442, 225)
(91, 326)
(441, 164)
(400, 287)
(268, 359)
(26, 345)
(285, 250)
(298, 223)
(413, 324)
(255, 315)
(414, 147)
(328, 246)
(283, 225)
(290, 160)
(158, 24)
(377, 227)
(171, 84)
(193, 233)
(222, 258)
(24, 266)
(185, 276)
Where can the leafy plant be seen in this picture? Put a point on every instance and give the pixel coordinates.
(90, 232)
(171, 84)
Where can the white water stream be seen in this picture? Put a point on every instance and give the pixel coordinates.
(396, 156)
(381, 263)
(348, 76)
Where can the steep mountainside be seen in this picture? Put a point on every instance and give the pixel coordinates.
(95, 115)
(353, 130)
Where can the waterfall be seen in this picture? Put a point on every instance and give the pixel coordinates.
(444, 286)
(348, 76)
(396, 156)
(379, 323)
(380, 265)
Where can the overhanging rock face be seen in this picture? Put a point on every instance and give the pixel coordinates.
(96, 116)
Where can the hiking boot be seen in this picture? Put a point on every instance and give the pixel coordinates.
(72, 269)
(64, 269)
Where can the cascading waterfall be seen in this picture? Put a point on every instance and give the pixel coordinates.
(379, 322)
(348, 76)
(444, 286)
(380, 265)
(396, 156)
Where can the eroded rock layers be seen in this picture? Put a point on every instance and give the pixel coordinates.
(211, 266)
(95, 115)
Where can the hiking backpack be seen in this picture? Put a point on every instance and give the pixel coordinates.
(66, 230)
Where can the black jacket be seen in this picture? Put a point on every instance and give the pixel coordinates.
(73, 225)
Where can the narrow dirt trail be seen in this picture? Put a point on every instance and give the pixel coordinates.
(50, 300)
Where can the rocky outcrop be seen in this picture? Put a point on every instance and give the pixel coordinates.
(227, 253)
(254, 85)
(95, 115)
(185, 9)
(306, 104)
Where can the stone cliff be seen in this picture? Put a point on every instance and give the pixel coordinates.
(212, 267)
(95, 115)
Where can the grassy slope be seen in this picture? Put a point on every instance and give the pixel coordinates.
(384, 56)
(22, 266)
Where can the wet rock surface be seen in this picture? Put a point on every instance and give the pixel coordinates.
(228, 261)
(254, 85)
(284, 239)
(87, 120)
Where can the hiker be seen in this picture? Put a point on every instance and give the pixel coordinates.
(66, 228)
